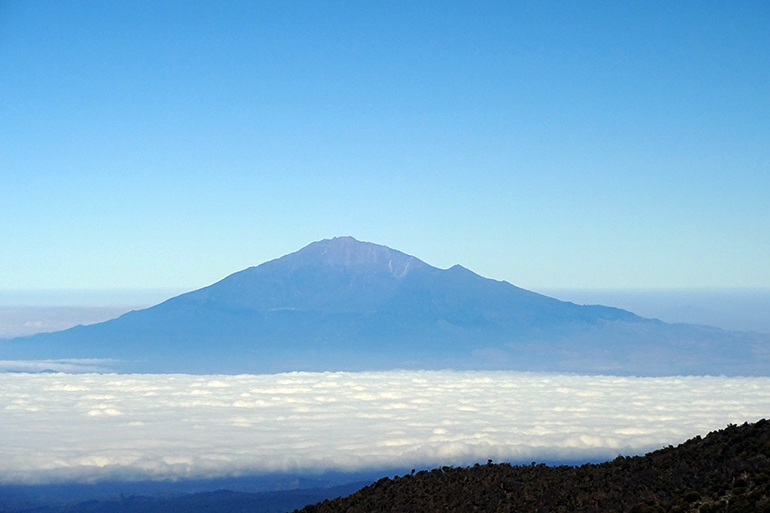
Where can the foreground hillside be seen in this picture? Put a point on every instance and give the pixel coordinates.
(727, 471)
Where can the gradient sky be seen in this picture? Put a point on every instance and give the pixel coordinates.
(565, 144)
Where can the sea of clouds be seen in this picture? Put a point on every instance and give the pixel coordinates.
(88, 427)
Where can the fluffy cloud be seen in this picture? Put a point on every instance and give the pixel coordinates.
(99, 426)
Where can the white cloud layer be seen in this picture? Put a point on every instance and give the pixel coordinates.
(85, 427)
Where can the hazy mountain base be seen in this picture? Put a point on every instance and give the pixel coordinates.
(18, 321)
(739, 309)
(232, 344)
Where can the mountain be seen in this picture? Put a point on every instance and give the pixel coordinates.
(727, 471)
(342, 304)
(29, 500)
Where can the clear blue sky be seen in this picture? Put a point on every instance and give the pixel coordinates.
(565, 144)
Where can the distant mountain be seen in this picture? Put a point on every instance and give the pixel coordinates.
(727, 471)
(342, 304)
(220, 501)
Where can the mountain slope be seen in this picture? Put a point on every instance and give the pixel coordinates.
(727, 471)
(341, 304)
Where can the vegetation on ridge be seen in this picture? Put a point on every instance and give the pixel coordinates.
(727, 471)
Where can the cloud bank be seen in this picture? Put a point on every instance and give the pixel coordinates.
(87, 427)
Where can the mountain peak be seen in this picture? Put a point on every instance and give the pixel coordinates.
(344, 304)
(349, 252)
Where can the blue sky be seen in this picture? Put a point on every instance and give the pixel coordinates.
(565, 144)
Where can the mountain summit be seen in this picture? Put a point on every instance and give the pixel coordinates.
(336, 275)
(343, 304)
(349, 252)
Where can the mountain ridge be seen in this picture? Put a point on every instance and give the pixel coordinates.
(342, 304)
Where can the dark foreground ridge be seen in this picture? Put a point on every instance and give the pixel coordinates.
(727, 471)
(343, 304)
